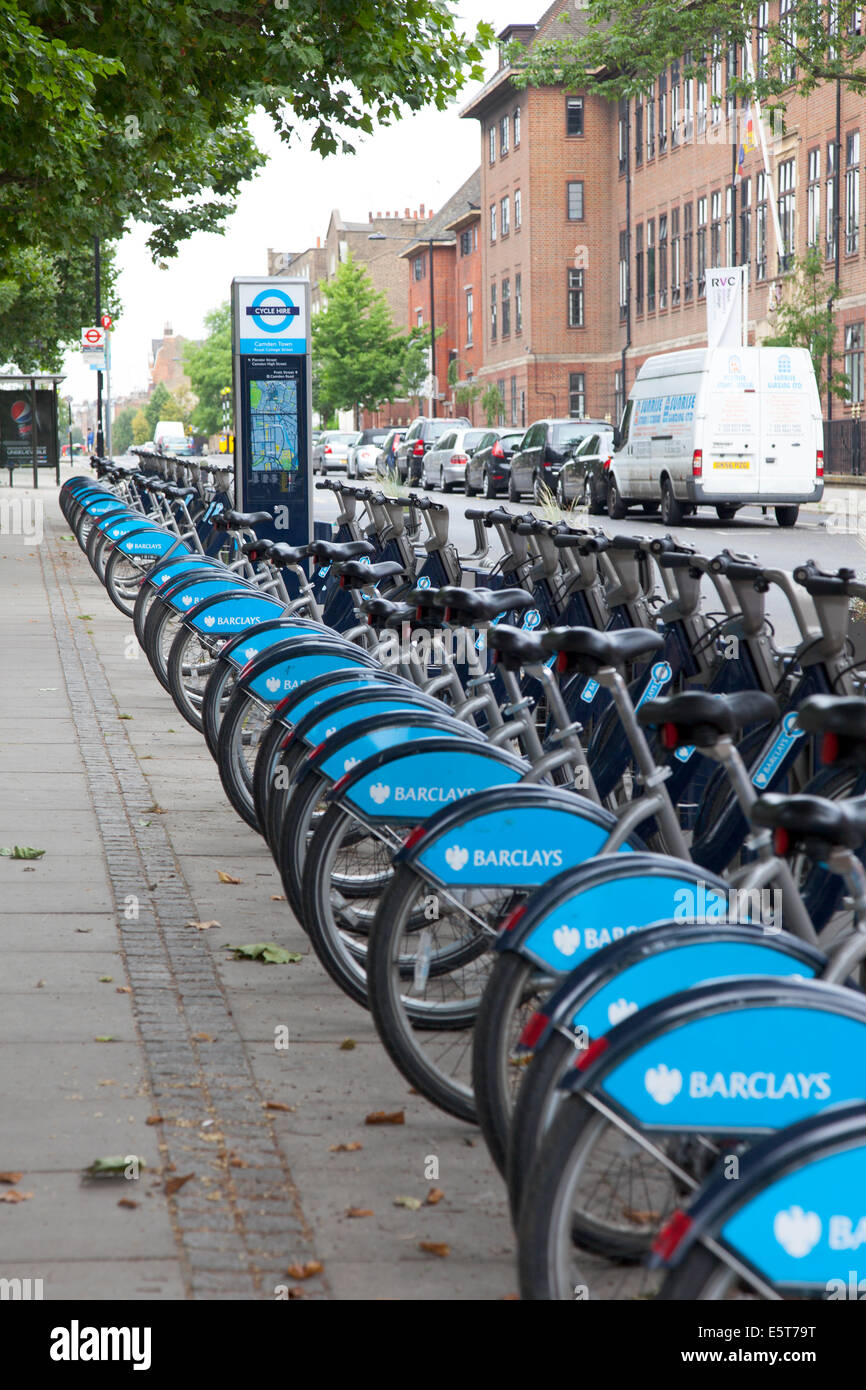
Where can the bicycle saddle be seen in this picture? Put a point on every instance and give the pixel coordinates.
(235, 521)
(282, 554)
(480, 605)
(348, 550)
(842, 721)
(585, 650)
(812, 822)
(354, 574)
(699, 718)
(174, 490)
(382, 613)
(258, 550)
(514, 648)
(156, 485)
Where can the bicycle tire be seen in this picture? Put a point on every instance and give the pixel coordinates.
(119, 587)
(231, 765)
(506, 989)
(180, 685)
(537, 1101)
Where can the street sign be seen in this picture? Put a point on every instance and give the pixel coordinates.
(93, 348)
(273, 406)
(105, 320)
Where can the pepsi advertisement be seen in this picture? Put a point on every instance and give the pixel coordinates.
(19, 425)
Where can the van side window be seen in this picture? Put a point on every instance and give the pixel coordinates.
(626, 424)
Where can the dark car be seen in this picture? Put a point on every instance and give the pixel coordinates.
(489, 467)
(385, 459)
(545, 448)
(421, 435)
(583, 477)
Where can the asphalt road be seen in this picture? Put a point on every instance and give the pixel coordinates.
(832, 533)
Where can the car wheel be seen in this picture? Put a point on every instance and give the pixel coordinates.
(616, 507)
(488, 485)
(443, 486)
(672, 512)
(513, 491)
(787, 516)
(597, 506)
(467, 486)
(426, 482)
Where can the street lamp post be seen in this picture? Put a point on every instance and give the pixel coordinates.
(383, 236)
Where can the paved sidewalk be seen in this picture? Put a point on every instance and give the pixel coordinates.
(98, 769)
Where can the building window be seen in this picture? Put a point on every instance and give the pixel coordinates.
(465, 243)
(516, 126)
(830, 215)
(688, 109)
(852, 192)
(663, 113)
(715, 229)
(746, 225)
(623, 274)
(503, 136)
(651, 265)
(419, 318)
(702, 100)
(418, 267)
(663, 262)
(762, 19)
(505, 217)
(492, 221)
(514, 400)
(493, 319)
(854, 360)
(518, 210)
(575, 298)
(638, 269)
(716, 81)
(813, 198)
(761, 229)
(618, 396)
(730, 79)
(675, 104)
(574, 201)
(730, 241)
(650, 124)
(500, 386)
(523, 409)
(491, 144)
(470, 318)
(576, 395)
(787, 212)
(702, 246)
(622, 135)
(638, 130)
(518, 303)
(574, 116)
(675, 256)
(688, 283)
(506, 308)
(787, 27)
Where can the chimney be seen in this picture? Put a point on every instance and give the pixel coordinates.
(369, 217)
(407, 212)
(378, 214)
(415, 216)
(422, 209)
(430, 213)
(318, 243)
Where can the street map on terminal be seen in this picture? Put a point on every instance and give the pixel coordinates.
(274, 426)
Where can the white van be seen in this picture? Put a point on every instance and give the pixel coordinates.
(168, 433)
(720, 427)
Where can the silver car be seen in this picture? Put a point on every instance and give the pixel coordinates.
(332, 450)
(363, 452)
(445, 465)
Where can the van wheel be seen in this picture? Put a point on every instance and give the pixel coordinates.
(616, 507)
(787, 516)
(726, 511)
(672, 512)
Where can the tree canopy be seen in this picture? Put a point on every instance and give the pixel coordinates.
(209, 368)
(627, 43)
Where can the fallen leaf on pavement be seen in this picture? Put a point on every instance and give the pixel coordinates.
(104, 1037)
(114, 1164)
(278, 1105)
(349, 1148)
(435, 1247)
(202, 1037)
(348, 1045)
(227, 878)
(203, 926)
(106, 979)
(21, 852)
(385, 1117)
(278, 897)
(305, 1271)
(154, 1120)
(173, 1185)
(127, 1202)
(410, 1203)
(434, 1195)
(123, 989)
(13, 1196)
(359, 1211)
(11, 1177)
(267, 951)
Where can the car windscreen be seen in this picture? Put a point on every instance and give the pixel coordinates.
(511, 441)
(472, 438)
(340, 438)
(563, 435)
(437, 428)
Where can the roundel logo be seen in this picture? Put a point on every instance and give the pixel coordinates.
(270, 317)
(532, 619)
(424, 581)
(661, 671)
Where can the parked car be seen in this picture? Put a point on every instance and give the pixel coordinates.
(489, 468)
(331, 450)
(444, 466)
(386, 457)
(544, 449)
(421, 435)
(363, 452)
(583, 477)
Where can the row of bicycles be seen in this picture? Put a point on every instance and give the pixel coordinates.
(579, 831)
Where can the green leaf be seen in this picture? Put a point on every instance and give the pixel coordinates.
(22, 852)
(266, 951)
(115, 1163)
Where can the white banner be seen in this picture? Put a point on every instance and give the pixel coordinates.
(725, 306)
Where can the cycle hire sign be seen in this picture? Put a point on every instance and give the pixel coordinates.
(273, 403)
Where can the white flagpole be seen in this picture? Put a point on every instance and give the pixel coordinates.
(777, 226)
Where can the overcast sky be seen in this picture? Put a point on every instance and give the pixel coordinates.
(422, 159)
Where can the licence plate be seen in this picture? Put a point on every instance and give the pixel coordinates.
(731, 463)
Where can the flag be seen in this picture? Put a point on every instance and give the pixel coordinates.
(747, 141)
